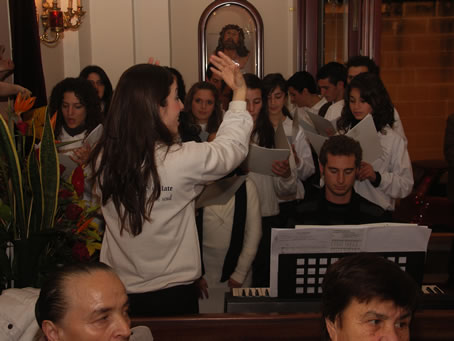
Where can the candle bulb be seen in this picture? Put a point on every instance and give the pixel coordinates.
(79, 3)
(70, 3)
(55, 19)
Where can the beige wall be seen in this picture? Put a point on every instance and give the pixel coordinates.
(118, 34)
(113, 35)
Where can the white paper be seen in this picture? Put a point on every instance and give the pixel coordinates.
(94, 136)
(316, 141)
(304, 120)
(323, 126)
(366, 134)
(308, 127)
(219, 192)
(69, 164)
(260, 159)
(380, 237)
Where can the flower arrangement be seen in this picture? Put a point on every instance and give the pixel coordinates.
(44, 217)
(79, 218)
(30, 183)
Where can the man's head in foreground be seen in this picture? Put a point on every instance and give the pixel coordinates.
(84, 302)
(340, 159)
(368, 298)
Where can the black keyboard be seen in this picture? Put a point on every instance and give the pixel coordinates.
(258, 300)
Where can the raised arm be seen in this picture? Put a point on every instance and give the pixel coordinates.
(231, 74)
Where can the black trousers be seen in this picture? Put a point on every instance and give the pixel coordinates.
(178, 300)
(261, 264)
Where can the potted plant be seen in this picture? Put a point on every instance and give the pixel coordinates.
(30, 181)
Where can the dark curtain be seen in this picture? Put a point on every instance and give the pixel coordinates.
(28, 70)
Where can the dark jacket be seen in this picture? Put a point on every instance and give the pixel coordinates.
(319, 211)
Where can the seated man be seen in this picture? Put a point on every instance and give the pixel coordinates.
(366, 297)
(85, 301)
(337, 203)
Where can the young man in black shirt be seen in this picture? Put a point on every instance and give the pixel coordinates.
(337, 203)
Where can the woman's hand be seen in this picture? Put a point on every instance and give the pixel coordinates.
(366, 172)
(153, 61)
(231, 74)
(234, 284)
(281, 168)
(81, 154)
(202, 285)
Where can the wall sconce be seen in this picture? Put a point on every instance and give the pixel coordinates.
(55, 20)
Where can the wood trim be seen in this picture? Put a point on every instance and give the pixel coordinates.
(427, 325)
(355, 25)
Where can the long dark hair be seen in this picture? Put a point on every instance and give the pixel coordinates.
(87, 96)
(263, 130)
(373, 91)
(124, 159)
(180, 82)
(271, 82)
(216, 117)
(108, 90)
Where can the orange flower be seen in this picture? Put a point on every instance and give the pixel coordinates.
(23, 104)
(84, 225)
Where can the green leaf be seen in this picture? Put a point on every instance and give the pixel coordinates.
(34, 180)
(50, 173)
(5, 213)
(8, 147)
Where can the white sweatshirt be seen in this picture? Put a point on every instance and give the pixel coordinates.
(167, 253)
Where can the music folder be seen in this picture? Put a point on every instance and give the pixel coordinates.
(301, 256)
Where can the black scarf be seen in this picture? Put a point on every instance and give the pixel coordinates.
(236, 240)
(74, 131)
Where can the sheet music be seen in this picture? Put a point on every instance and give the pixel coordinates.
(219, 192)
(322, 125)
(366, 134)
(344, 239)
(94, 135)
(316, 141)
(308, 128)
(260, 159)
(304, 120)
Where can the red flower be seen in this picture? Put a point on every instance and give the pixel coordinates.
(64, 194)
(80, 252)
(73, 211)
(23, 127)
(77, 180)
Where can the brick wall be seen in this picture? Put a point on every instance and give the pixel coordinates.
(417, 67)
